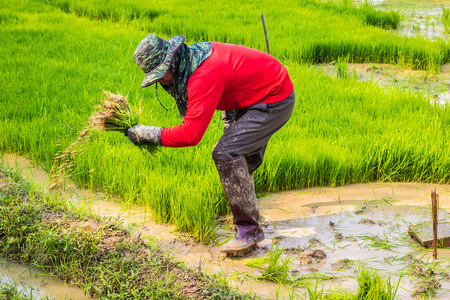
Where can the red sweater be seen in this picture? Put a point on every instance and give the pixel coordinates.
(233, 77)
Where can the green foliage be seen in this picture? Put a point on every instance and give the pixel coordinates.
(56, 64)
(298, 33)
(446, 18)
(15, 292)
(278, 268)
(100, 257)
(371, 285)
(342, 67)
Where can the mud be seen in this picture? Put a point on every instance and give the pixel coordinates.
(348, 225)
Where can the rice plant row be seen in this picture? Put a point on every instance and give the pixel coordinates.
(309, 31)
(55, 66)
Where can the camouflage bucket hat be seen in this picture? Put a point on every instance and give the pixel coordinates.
(154, 56)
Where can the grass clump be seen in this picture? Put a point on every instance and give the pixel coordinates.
(371, 285)
(278, 268)
(446, 18)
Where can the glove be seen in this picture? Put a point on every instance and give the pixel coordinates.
(141, 134)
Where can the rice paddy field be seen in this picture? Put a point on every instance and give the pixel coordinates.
(58, 56)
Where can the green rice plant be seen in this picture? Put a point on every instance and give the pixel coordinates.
(446, 18)
(342, 131)
(369, 15)
(258, 262)
(372, 285)
(316, 41)
(278, 268)
(313, 291)
(342, 67)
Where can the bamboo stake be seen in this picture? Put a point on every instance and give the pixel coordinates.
(434, 209)
(263, 19)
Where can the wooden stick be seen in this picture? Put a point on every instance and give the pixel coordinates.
(263, 19)
(434, 209)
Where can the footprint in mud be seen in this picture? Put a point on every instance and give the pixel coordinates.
(362, 209)
(311, 256)
(370, 222)
(338, 236)
(342, 264)
(332, 225)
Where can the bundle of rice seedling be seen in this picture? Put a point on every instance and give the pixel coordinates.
(64, 160)
(117, 115)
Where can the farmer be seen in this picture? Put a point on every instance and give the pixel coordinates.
(254, 92)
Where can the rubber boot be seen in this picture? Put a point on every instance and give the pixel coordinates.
(239, 189)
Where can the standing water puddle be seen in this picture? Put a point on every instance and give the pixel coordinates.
(36, 285)
(419, 18)
(326, 232)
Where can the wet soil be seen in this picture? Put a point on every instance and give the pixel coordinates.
(433, 85)
(348, 225)
(419, 18)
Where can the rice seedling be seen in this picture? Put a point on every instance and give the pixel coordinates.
(446, 18)
(258, 262)
(427, 289)
(372, 285)
(64, 161)
(117, 115)
(342, 131)
(278, 268)
(342, 67)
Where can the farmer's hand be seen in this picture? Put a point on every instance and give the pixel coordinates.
(141, 134)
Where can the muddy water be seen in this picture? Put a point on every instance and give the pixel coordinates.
(36, 285)
(364, 222)
(419, 18)
(361, 222)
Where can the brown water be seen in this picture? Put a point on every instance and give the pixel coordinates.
(36, 284)
(361, 222)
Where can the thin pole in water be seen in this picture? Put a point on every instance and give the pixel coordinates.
(263, 19)
(434, 209)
